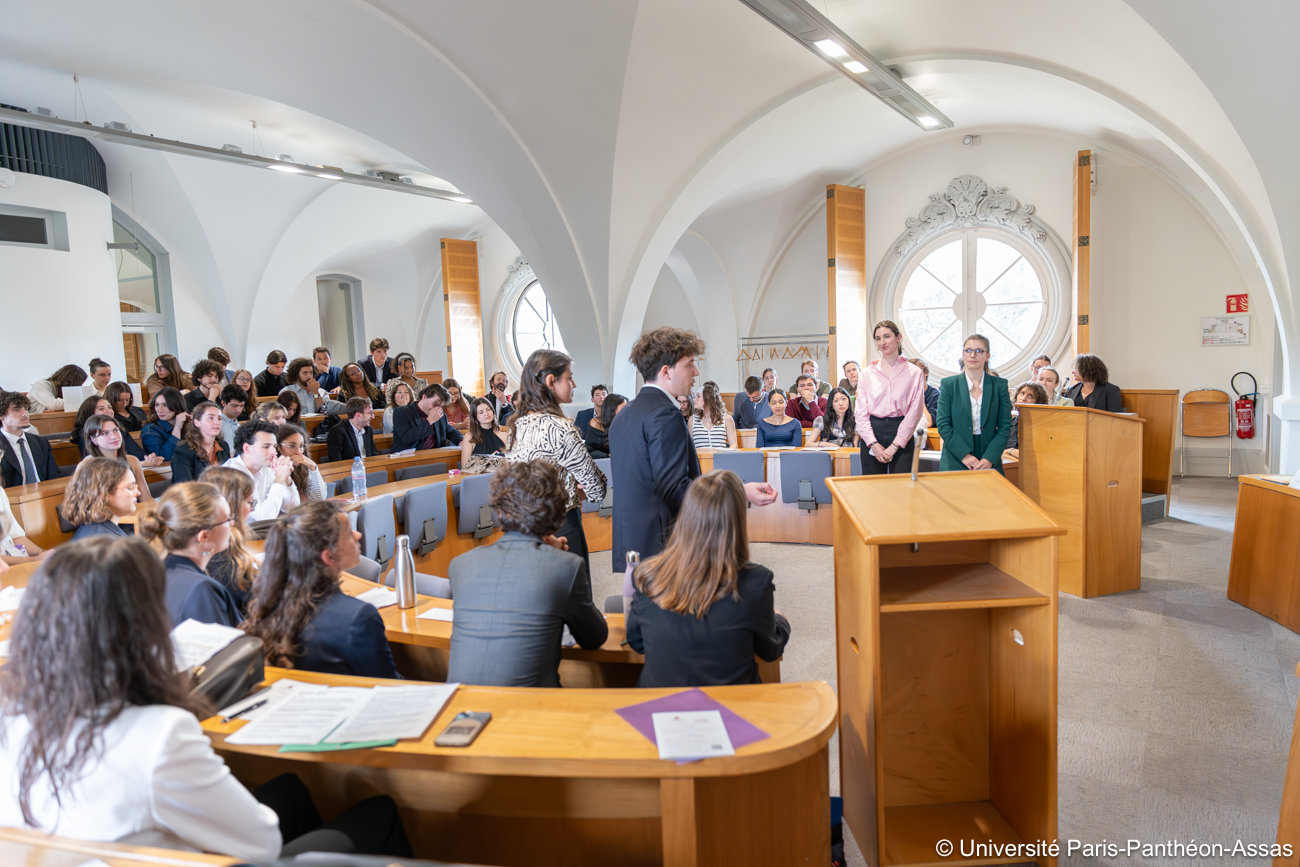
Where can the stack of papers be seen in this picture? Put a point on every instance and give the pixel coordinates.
(380, 597)
(444, 614)
(195, 643)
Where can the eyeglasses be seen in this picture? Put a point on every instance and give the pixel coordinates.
(975, 351)
(222, 523)
(128, 486)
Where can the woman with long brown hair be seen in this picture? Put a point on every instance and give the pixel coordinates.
(712, 427)
(540, 429)
(162, 433)
(191, 523)
(236, 567)
(104, 439)
(403, 364)
(129, 416)
(481, 437)
(167, 373)
(701, 610)
(292, 407)
(596, 436)
(291, 442)
(354, 383)
(299, 611)
(46, 394)
(457, 409)
(202, 445)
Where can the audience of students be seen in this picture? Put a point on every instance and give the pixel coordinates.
(27, 458)
(402, 396)
(891, 400)
(100, 494)
(702, 611)
(167, 373)
(974, 412)
(804, 405)
(46, 395)
(457, 407)
(291, 443)
(129, 416)
(711, 426)
(584, 417)
(354, 437)
(326, 374)
(779, 429)
(162, 433)
(809, 368)
(481, 436)
(270, 381)
(514, 598)
(256, 455)
(1026, 392)
(235, 567)
(1050, 380)
(1093, 387)
(202, 444)
(596, 439)
(375, 366)
(304, 619)
(191, 523)
(103, 439)
(207, 378)
(540, 429)
(750, 405)
(233, 402)
(354, 383)
(423, 424)
(838, 425)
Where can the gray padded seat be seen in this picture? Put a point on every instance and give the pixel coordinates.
(811, 466)
(750, 466)
(374, 477)
(378, 529)
(420, 472)
(855, 464)
(367, 570)
(421, 506)
(425, 585)
(157, 488)
(472, 514)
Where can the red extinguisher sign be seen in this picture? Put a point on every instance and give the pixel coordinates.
(1244, 408)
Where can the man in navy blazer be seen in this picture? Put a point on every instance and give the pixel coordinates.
(15, 417)
(418, 422)
(653, 459)
(341, 442)
(375, 365)
(327, 375)
(598, 394)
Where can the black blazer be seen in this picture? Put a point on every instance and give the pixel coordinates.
(378, 377)
(191, 593)
(132, 421)
(99, 528)
(341, 442)
(346, 636)
(653, 461)
(411, 428)
(187, 466)
(1105, 397)
(11, 467)
(584, 420)
(597, 441)
(714, 650)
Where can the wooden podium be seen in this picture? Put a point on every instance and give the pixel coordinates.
(946, 606)
(1084, 467)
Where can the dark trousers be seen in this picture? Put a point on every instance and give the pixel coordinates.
(371, 827)
(886, 429)
(572, 530)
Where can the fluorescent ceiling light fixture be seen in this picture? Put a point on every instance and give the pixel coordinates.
(225, 154)
(819, 35)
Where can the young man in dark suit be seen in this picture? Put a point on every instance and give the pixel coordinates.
(423, 424)
(355, 437)
(28, 458)
(650, 446)
(375, 365)
(598, 395)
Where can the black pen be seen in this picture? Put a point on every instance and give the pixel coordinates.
(242, 711)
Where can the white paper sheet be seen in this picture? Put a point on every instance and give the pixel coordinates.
(195, 643)
(380, 597)
(4, 648)
(694, 734)
(277, 693)
(305, 717)
(11, 598)
(444, 614)
(394, 712)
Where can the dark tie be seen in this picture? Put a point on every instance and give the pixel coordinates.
(29, 466)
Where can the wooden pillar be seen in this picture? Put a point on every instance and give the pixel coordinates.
(1082, 247)
(464, 318)
(846, 277)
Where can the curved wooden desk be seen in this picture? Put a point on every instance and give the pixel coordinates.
(34, 849)
(1264, 574)
(558, 778)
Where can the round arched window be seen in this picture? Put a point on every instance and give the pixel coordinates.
(533, 325)
(970, 281)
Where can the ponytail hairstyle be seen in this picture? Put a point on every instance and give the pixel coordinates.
(237, 488)
(293, 579)
(988, 354)
(712, 403)
(885, 323)
(181, 513)
(849, 425)
(534, 396)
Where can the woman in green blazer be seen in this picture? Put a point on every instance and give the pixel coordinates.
(968, 445)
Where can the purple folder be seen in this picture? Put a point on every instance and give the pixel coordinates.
(741, 731)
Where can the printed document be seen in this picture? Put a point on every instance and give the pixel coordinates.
(195, 643)
(395, 712)
(380, 597)
(305, 717)
(691, 734)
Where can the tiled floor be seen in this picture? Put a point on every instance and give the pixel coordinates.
(1176, 705)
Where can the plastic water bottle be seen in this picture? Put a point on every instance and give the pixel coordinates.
(405, 573)
(358, 479)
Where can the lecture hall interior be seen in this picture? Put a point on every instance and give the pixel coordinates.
(951, 349)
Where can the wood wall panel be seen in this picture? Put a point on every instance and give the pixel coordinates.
(846, 277)
(1082, 268)
(464, 317)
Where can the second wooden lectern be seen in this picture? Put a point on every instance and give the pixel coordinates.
(945, 621)
(1084, 467)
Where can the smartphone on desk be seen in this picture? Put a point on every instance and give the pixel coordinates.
(462, 730)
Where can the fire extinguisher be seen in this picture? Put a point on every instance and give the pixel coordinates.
(1245, 407)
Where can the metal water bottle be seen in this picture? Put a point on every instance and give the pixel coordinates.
(405, 573)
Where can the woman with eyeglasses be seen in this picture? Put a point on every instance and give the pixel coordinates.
(202, 446)
(102, 492)
(291, 442)
(974, 412)
(103, 439)
(244, 379)
(167, 373)
(235, 567)
(191, 523)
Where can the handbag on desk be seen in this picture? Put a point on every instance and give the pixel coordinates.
(231, 673)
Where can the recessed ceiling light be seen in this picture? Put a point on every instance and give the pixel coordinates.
(293, 170)
(926, 120)
(831, 47)
(856, 66)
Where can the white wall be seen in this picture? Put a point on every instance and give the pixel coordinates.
(61, 307)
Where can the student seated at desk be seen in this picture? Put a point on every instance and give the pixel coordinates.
(423, 424)
(805, 406)
(27, 457)
(353, 437)
(102, 406)
(1026, 392)
(404, 364)
(269, 382)
(46, 394)
(1093, 387)
(298, 610)
(292, 407)
(162, 433)
(751, 405)
(711, 426)
(191, 523)
(102, 492)
(129, 416)
(402, 396)
(102, 739)
(838, 425)
(596, 439)
(167, 373)
(701, 610)
(481, 438)
(202, 445)
(514, 598)
(244, 379)
(1050, 380)
(353, 383)
(778, 429)
(206, 377)
(104, 440)
(273, 488)
(300, 379)
(234, 568)
(233, 401)
(15, 547)
(291, 443)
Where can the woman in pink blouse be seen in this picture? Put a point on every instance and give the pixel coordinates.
(891, 396)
